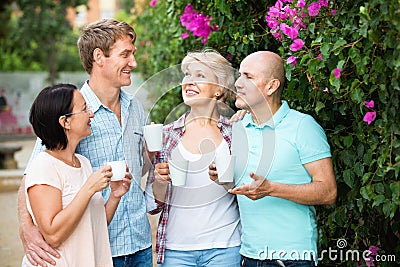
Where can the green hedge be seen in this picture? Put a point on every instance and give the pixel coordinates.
(362, 40)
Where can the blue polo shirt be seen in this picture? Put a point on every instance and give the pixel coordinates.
(275, 228)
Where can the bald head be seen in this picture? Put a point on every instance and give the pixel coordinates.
(270, 64)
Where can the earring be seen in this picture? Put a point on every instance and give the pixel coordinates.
(217, 94)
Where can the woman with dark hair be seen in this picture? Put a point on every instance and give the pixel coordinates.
(62, 195)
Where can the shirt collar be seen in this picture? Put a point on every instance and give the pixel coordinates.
(95, 103)
(276, 119)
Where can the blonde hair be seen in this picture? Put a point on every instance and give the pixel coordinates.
(101, 34)
(223, 71)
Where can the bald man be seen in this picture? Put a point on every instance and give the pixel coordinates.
(283, 171)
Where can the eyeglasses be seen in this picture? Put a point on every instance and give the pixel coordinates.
(86, 110)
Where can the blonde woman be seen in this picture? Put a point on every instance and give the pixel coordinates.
(199, 223)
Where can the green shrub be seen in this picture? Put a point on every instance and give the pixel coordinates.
(362, 40)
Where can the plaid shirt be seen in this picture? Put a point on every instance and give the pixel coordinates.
(173, 133)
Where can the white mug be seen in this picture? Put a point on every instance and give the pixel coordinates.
(153, 135)
(225, 167)
(118, 168)
(178, 171)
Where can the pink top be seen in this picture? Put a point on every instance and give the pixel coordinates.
(88, 245)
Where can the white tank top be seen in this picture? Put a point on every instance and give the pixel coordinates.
(203, 215)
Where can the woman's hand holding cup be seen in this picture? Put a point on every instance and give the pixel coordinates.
(121, 187)
(161, 173)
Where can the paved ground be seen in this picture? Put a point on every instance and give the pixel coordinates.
(11, 251)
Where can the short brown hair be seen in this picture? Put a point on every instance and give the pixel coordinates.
(101, 34)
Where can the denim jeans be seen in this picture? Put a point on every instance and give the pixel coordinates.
(215, 257)
(248, 262)
(142, 258)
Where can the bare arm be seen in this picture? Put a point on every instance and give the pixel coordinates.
(35, 247)
(322, 189)
(55, 223)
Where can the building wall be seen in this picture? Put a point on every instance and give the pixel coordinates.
(21, 88)
(98, 9)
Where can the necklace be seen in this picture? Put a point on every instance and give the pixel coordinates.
(63, 160)
(73, 161)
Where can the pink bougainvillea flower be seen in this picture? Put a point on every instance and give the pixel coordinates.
(319, 56)
(153, 3)
(336, 72)
(323, 3)
(290, 12)
(373, 249)
(313, 9)
(272, 23)
(184, 35)
(296, 45)
(326, 90)
(333, 12)
(370, 104)
(278, 36)
(229, 57)
(291, 60)
(274, 11)
(369, 117)
(289, 31)
(301, 3)
(369, 261)
(197, 23)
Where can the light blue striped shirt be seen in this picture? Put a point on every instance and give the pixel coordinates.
(129, 230)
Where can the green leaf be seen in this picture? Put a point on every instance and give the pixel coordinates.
(357, 95)
(339, 43)
(348, 140)
(311, 27)
(348, 177)
(395, 188)
(366, 192)
(378, 200)
(359, 169)
(366, 178)
(325, 48)
(319, 106)
(379, 188)
(231, 50)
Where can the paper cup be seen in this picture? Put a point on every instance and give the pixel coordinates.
(153, 136)
(118, 168)
(225, 167)
(178, 171)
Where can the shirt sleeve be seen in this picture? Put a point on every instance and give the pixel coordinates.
(42, 171)
(311, 141)
(36, 150)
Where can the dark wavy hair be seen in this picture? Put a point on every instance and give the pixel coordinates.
(49, 105)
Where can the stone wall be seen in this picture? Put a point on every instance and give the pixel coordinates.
(20, 88)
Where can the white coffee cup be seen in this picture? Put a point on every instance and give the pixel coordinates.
(178, 171)
(118, 168)
(225, 167)
(153, 135)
